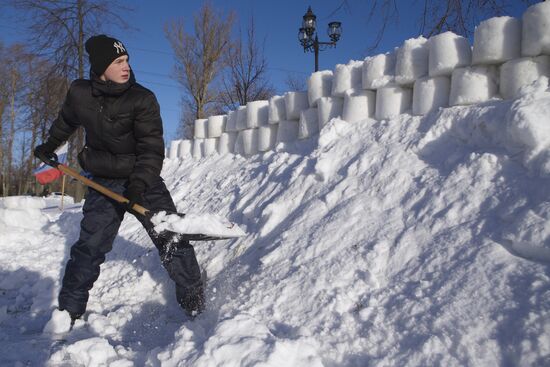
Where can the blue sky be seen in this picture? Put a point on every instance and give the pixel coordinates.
(276, 21)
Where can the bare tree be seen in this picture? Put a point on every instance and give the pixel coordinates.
(436, 16)
(199, 58)
(245, 79)
(295, 82)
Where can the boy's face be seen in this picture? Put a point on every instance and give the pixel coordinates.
(118, 71)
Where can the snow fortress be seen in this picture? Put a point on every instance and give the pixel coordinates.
(418, 77)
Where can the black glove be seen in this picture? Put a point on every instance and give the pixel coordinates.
(45, 152)
(134, 192)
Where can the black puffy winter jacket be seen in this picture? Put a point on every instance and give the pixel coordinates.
(122, 124)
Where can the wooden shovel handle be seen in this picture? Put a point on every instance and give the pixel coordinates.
(102, 189)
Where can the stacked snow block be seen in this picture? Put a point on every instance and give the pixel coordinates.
(392, 101)
(173, 150)
(422, 75)
(185, 148)
(295, 103)
(329, 108)
(346, 76)
(319, 85)
(378, 71)
(358, 105)
(309, 123)
(411, 61)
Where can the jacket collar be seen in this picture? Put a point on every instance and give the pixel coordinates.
(110, 88)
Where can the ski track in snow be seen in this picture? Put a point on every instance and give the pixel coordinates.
(407, 242)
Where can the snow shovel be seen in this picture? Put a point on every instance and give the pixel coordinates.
(230, 231)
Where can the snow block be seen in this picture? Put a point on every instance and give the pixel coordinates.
(309, 123)
(201, 129)
(497, 40)
(173, 151)
(295, 102)
(412, 61)
(358, 105)
(473, 84)
(239, 144)
(257, 113)
(226, 143)
(277, 109)
(241, 118)
(379, 71)
(448, 51)
(198, 148)
(287, 131)
(210, 146)
(250, 142)
(535, 37)
(392, 101)
(329, 108)
(346, 76)
(430, 93)
(518, 73)
(231, 121)
(216, 125)
(267, 137)
(319, 85)
(185, 148)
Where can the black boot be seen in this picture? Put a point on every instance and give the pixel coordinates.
(192, 300)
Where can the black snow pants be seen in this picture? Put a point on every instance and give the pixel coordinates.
(98, 229)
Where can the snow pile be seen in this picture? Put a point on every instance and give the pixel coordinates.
(535, 39)
(209, 224)
(413, 242)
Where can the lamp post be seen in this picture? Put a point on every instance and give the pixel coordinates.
(308, 35)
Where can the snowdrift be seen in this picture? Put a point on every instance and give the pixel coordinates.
(420, 240)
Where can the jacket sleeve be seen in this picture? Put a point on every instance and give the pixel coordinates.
(66, 122)
(148, 134)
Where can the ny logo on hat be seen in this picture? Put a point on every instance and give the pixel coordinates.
(119, 47)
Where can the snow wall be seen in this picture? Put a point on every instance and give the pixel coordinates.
(420, 76)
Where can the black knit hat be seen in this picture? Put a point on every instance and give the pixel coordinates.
(103, 50)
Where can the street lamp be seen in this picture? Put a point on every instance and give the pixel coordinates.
(308, 36)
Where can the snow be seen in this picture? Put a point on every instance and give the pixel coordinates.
(231, 123)
(346, 76)
(319, 84)
(535, 38)
(277, 111)
(329, 108)
(287, 131)
(216, 125)
(201, 129)
(308, 124)
(497, 40)
(358, 104)
(241, 118)
(267, 137)
(226, 144)
(430, 93)
(378, 71)
(210, 146)
(410, 241)
(392, 101)
(192, 223)
(447, 51)
(474, 84)
(185, 148)
(257, 114)
(295, 103)
(412, 60)
(198, 148)
(519, 73)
